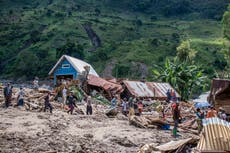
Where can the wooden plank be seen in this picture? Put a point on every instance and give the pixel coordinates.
(173, 145)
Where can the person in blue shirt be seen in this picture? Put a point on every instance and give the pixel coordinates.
(114, 102)
(199, 117)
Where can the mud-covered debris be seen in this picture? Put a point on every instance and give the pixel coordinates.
(120, 116)
(123, 141)
(112, 112)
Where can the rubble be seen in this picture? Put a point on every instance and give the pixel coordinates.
(148, 148)
(112, 112)
(178, 145)
(107, 130)
(146, 121)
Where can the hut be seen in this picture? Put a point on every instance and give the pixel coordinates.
(68, 67)
(220, 94)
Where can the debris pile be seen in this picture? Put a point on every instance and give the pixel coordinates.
(33, 99)
(146, 121)
(156, 116)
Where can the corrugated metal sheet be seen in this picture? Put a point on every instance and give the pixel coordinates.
(106, 85)
(148, 89)
(215, 135)
(139, 89)
(161, 89)
(173, 145)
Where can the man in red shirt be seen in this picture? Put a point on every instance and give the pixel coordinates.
(211, 112)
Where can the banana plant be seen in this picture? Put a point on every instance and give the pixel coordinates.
(185, 78)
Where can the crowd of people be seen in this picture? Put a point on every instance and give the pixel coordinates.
(129, 107)
(209, 113)
(67, 99)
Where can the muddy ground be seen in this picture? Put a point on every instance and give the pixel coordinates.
(42, 132)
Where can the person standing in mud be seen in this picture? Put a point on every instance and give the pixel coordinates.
(199, 117)
(176, 117)
(114, 102)
(35, 83)
(124, 106)
(89, 110)
(47, 103)
(140, 107)
(20, 98)
(7, 95)
(71, 103)
(64, 96)
(131, 106)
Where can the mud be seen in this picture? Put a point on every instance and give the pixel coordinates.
(41, 132)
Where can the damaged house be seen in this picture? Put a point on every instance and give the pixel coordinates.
(146, 90)
(107, 87)
(220, 94)
(68, 67)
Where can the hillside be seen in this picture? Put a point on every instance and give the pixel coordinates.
(120, 38)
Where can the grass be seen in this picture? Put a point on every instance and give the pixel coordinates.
(127, 36)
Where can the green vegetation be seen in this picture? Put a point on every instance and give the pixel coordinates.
(226, 49)
(187, 79)
(133, 33)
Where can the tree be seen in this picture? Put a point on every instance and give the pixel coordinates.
(185, 53)
(71, 49)
(26, 64)
(226, 32)
(185, 78)
(226, 23)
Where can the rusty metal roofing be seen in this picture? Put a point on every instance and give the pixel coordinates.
(161, 88)
(215, 135)
(139, 89)
(148, 89)
(102, 83)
